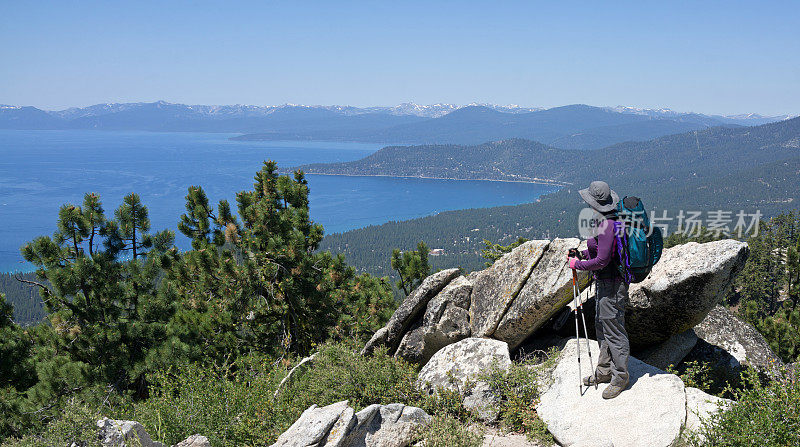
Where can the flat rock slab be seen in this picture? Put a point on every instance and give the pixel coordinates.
(687, 282)
(494, 289)
(649, 413)
(455, 365)
(493, 438)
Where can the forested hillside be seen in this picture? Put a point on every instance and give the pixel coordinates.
(719, 168)
(28, 305)
(514, 159)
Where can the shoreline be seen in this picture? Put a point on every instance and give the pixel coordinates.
(538, 182)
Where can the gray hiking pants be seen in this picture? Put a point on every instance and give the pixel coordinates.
(611, 298)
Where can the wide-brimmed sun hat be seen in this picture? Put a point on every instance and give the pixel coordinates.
(600, 196)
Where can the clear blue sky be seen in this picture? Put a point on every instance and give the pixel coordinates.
(715, 57)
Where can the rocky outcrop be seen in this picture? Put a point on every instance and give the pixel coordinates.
(116, 433)
(728, 343)
(338, 425)
(649, 413)
(409, 310)
(699, 407)
(547, 290)
(687, 282)
(495, 288)
(456, 365)
(446, 321)
(523, 291)
(670, 352)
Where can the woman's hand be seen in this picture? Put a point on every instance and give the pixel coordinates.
(572, 262)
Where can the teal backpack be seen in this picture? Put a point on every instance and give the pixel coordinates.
(639, 245)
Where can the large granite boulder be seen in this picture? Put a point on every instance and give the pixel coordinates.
(547, 290)
(729, 343)
(650, 413)
(456, 365)
(687, 282)
(116, 433)
(338, 425)
(494, 289)
(446, 321)
(409, 310)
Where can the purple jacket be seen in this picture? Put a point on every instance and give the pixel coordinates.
(600, 256)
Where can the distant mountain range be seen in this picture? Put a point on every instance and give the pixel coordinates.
(568, 127)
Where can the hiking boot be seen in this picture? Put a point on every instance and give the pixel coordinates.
(589, 380)
(613, 391)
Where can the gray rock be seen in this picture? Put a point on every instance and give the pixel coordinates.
(728, 343)
(315, 425)
(302, 366)
(409, 310)
(670, 352)
(194, 441)
(378, 339)
(393, 425)
(547, 290)
(687, 282)
(457, 365)
(116, 433)
(338, 425)
(650, 412)
(699, 407)
(494, 289)
(446, 321)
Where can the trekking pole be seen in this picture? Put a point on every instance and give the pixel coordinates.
(585, 332)
(577, 331)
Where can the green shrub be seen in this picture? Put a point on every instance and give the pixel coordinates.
(519, 393)
(77, 424)
(447, 431)
(237, 406)
(764, 415)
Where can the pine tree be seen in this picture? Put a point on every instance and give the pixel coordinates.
(259, 284)
(412, 267)
(104, 312)
(16, 371)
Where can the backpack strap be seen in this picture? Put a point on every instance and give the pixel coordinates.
(621, 238)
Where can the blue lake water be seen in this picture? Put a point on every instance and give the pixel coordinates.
(41, 170)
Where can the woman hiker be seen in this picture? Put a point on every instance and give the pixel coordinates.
(611, 291)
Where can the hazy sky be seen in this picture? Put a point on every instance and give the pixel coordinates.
(715, 57)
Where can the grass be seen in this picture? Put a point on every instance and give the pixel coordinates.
(519, 392)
